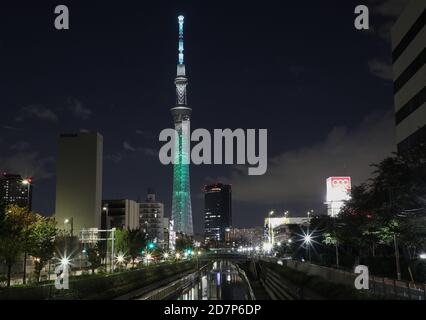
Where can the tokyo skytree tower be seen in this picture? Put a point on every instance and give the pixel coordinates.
(181, 205)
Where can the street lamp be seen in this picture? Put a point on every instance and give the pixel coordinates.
(422, 256)
(307, 241)
(27, 183)
(71, 222)
(65, 261)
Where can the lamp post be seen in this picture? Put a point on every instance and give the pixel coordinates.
(112, 248)
(70, 221)
(26, 182)
(307, 239)
(398, 267)
(271, 213)
(309, 215)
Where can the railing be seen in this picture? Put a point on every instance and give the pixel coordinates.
(390, 288)
(378, 286)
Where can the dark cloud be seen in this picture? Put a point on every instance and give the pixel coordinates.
(388, 11)
(38, 112)
(388, 8)
(145, 134)
(28, 164)
(116, 157)
(381, 69)
(145, 151)
(299, 176)
(11, 128)
(78, 109)
(128, 147)
(20, 146)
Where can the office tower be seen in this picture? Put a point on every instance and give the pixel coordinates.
(120, 214)
(181, 203)
(15, 190)
(151, 214)
(409, 74)
(79, 182)
(217, 212)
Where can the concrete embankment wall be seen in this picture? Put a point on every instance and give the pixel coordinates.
(99, 287)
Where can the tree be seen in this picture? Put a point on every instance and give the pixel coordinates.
(390, 204)
(121, 241)
(94, 257)
(41, 243)
(183, 242)
(137, 241)
(14, 226)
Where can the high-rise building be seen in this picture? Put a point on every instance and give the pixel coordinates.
(151, 214)
(166, 231)
(181, 203)
(217, 212)
(120, 214)
(409, 74)
(79, 181)
(15, 190)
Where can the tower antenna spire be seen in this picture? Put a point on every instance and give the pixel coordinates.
(181, 21)
(181, 203)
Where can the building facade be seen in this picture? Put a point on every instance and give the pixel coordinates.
(181, 203)
(151, 215)
(79, 181)
(409, 75)
(15, 190)
(276, 228)
(217, 212)
(120, 214)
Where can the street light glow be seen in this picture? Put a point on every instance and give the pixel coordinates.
(267, 246)
(307, 238)
(120, 258)
(65, 261)
(422, 256)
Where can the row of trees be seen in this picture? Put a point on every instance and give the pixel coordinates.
(385, 218)
(25, 233)
(387, 214)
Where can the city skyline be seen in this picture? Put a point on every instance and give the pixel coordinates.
(195, 153)
(122, 86)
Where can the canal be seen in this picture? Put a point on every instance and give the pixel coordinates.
(220, 280)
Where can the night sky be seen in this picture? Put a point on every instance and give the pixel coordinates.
(322, 89)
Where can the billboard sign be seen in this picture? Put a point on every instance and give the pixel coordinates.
(338, 189)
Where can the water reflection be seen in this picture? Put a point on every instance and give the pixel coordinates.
(220, 281)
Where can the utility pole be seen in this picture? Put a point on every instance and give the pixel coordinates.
(112, 249)
(395, 241)
(27, 183)
(337, 254)
(398, 267)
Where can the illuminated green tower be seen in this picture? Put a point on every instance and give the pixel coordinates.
(181, 206)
